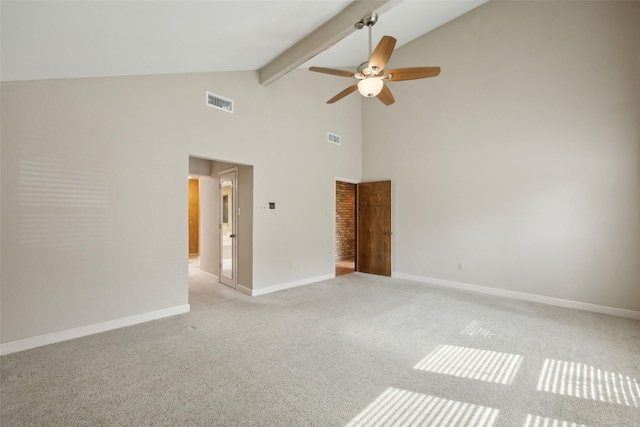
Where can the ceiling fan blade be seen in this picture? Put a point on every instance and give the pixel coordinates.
(344, 93)
(382, 53)
(412, 73)
(332, 71)
(385, 96)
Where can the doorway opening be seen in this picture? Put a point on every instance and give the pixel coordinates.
(224, 215)
(363, 227)
(346, 236)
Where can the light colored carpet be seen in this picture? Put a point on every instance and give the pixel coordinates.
(355, 350)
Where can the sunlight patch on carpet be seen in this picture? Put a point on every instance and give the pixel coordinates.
(538, 421)
(397, 407)
(474, 329)
(472, 363)
(588, 382)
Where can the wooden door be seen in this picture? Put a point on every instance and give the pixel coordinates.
(374, 228)
(194, 216)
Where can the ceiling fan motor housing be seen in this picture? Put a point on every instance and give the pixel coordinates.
(369, 20)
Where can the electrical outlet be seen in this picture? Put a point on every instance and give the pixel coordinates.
(290, 265)
(460, 266)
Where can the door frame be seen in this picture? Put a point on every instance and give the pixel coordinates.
(233, 281)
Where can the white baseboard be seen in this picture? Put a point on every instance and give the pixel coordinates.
(584, 306)
(243, 289)
(69, 334)
(296, 283)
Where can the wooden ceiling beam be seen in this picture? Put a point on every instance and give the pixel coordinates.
(322, 38)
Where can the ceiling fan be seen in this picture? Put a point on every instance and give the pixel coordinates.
(371, 75)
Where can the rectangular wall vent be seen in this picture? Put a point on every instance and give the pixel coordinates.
(333, 138)
(217, 101)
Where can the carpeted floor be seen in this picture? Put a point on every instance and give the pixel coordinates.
(355, 350)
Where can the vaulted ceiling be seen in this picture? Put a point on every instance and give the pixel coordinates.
(90, 38)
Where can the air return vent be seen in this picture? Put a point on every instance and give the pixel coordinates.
(216, 101)
(333, 138)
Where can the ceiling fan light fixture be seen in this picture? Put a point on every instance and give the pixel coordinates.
(371, 74)
(370, 87)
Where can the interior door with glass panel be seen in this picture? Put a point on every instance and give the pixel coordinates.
(228, 228)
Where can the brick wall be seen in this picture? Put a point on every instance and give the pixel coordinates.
(345, 220)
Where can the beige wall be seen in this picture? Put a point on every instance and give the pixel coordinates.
(522, 160)
(287, 138)
(94, 218)
(200, 167)
(209, 226)
(245, 226)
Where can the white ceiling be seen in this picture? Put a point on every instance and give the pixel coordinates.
(90, 38)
